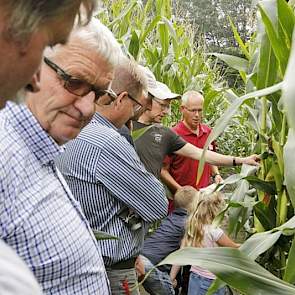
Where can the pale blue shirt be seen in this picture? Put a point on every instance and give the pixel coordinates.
(39, 217)
(105, 175)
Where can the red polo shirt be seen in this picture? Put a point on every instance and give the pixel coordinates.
(183, 169)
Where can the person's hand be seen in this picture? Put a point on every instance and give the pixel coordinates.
(139, 267)
(174, 283)
(252, 160)
(218, 179)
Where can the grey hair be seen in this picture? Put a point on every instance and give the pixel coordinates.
(94, 36)
(25, 16)
(129, 77)
(185, 97)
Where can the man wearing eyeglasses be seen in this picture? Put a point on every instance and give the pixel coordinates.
(177, 170)
(159, 141)
(104, 172)
(26, 28)
(39, 217)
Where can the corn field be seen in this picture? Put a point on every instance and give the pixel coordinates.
(259, 117)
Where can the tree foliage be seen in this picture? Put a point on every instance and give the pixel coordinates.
(211, 20)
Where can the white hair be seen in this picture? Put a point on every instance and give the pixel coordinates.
(97, 37)
(185, 97)
(26, 16)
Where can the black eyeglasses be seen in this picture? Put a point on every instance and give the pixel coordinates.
(138, 105)
(77, 86)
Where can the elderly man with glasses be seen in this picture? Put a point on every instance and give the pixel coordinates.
(116, 192)
(39, 217)
(26, 28)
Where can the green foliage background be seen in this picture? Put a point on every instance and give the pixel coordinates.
(249, 117)
(154, 35)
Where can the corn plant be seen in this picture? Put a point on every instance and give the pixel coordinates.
(154, 36)
(150, 34)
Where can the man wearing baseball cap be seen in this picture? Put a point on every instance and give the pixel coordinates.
(159, 141)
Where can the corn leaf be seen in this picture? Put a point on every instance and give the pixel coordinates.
(289, 160)
(234, 268)
(237, 63)
(223, 121)
(289, 275)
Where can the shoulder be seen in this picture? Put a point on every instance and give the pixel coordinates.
(214, 232)
(206, 128)
(13, 150)
(99, 135)
(178, 127)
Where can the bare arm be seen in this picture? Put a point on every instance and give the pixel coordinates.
(213, 158)
(167, 178)
(216, 175)
(225, 241)
(174, 271)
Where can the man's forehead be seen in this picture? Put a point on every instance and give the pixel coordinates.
(162, 101)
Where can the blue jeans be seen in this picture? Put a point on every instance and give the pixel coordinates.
(158, 282)
(199, 285)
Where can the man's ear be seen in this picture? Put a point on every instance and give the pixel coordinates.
(120, 97)
(34, 85)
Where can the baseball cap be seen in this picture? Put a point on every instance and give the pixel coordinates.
(162, 91)
(158, 89)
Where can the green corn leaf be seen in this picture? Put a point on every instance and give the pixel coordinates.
(223, 121)
(278, 43)
(100, 235)
(134, 45)
(288, 91)
(239, 39)
(234, 268)
(259, 243)
(289, 275)
(286, 19)
(237, 63)
(164, 37)
(136, 134)
(149, 29)
(170, 27)
(289, 160)
(265, 186)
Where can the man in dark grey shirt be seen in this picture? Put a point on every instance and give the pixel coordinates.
(159, 141)
(155, 144)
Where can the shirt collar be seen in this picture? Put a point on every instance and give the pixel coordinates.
(39, 142)
(180, 211)
(187, 131)
(98, 118)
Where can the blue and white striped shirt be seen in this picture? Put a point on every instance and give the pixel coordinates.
(39, 217)
(105, 173)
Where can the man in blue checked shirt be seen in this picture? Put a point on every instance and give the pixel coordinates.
(39, 217)
(25, 30)
(117, 194)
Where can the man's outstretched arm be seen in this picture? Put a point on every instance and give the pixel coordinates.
(216, 159)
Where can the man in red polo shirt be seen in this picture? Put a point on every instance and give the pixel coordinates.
(178, 170)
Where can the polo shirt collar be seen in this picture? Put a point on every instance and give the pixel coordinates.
(38, 141)
(187, 131)
(98, 118)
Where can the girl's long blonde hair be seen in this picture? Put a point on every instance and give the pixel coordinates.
(205, 209)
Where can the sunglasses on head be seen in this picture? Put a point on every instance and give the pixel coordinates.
(78, 86)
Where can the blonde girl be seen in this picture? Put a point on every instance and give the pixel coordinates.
(201, 233)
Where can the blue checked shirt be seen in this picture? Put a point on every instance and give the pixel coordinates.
(105, 174)
(39, 218)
